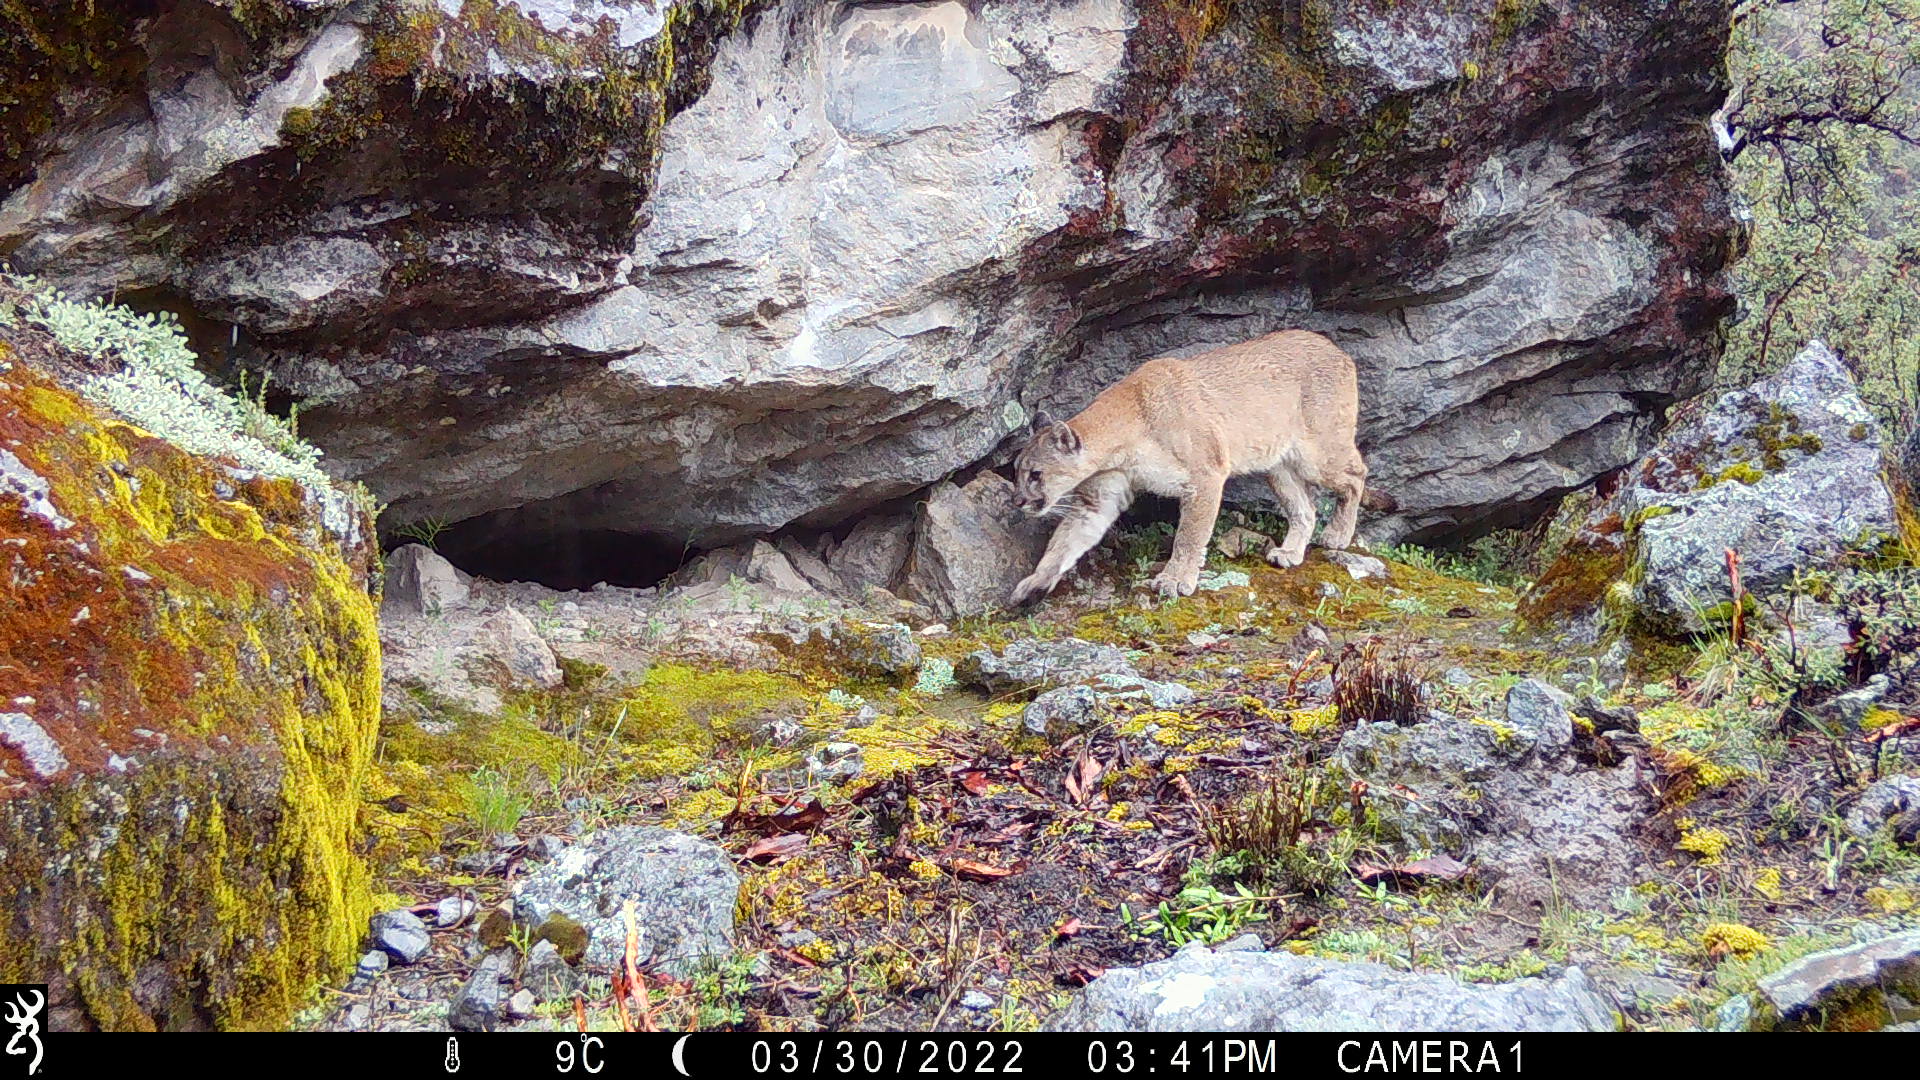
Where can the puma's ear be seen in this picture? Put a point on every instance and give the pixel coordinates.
(1042, 420)
(1065, 439)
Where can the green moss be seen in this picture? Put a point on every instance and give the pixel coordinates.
(679, 716)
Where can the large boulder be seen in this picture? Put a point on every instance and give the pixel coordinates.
(191, 674)
(1787, 472)
(1508, 794)
(1873, 984)
(1201, 989)
(705, 269)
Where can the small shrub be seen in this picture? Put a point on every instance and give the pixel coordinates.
(1266, 834)
(1369, 686)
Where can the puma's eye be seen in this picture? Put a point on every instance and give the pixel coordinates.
(1033, 477)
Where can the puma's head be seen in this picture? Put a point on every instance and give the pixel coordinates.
(1051, 464)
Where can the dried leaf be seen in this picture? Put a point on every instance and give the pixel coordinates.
(974, 780)
(775, 849)
(1431, 868)
(975, 870)
(1081, 779)
(787, 819)
(1068, 928)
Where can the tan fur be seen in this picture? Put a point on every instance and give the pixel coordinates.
(1284, 405)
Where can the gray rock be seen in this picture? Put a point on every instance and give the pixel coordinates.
(1210, 990)
(1160, 695)
(479, 1003)
(372, 965)
(1491, 795)
(1358, 566)
(420, 581)
(510, 638)
(1883, 973)
(1544, 713)
(856, 648)
(401, 935)
(452, 909)
(1734, 1014)
(836, 763)
(1031, 664)
(683, 890)
(547, 974)
(971, 546)
(1892, 801)
(873, 553)
(976, 1000)
(521, 1005)
(1061, 712)
(1852, 707)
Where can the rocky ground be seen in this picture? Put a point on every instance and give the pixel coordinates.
(1368, 791)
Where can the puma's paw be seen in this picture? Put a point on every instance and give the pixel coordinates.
(1283, 558)
(1171, 585)
(1031, 587)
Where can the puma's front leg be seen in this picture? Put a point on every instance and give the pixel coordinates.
(1105, 496)
(1198, 511)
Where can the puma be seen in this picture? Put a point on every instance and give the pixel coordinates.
(1284, 405)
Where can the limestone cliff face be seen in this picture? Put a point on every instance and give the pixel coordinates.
(189, 695)
(717, 269)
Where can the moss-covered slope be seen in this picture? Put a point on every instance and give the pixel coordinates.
(190, 687)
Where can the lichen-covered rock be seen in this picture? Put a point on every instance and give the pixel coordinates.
(1888, 805)
(191, 671)
(1201, 989)
(853, 647)
(1786, 472)
(510, 639)
(1862, 987)
(682, 889)
(879, 235)
(1034, 664)
(1506, 796)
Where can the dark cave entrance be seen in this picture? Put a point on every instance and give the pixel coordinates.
(505, 546)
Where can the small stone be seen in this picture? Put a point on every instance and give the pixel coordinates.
(478, 1004)
(1852, 707)
(510, 638)
(548, 846)
(836, 763)
(1311, 638)
(419, 580)
(521, 1005)
(793, 939)
(1543, 713)
(976, 1000)
(1030, 664)
(357, 1016)
(401, 935)
(1359, 567)
(1161, 695)
(1893, 800)
(1061, 712)
(547, 973)
(451, 910)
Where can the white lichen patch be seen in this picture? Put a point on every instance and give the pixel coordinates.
(42, 754)
(31, 488)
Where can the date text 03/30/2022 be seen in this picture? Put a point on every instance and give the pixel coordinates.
(1131, 1056)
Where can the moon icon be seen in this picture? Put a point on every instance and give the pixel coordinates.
(680, 1055)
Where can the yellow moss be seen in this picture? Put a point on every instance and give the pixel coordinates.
(1767, 883)
(1736, 939)
(1708, 843)
(1892, 901)
(1313, 721)
(819, 950)
(679, 716)
(236, 875)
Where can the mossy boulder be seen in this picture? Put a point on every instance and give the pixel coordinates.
(190, 669)
(1787, 472)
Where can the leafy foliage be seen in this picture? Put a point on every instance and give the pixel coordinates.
(1823, 132)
